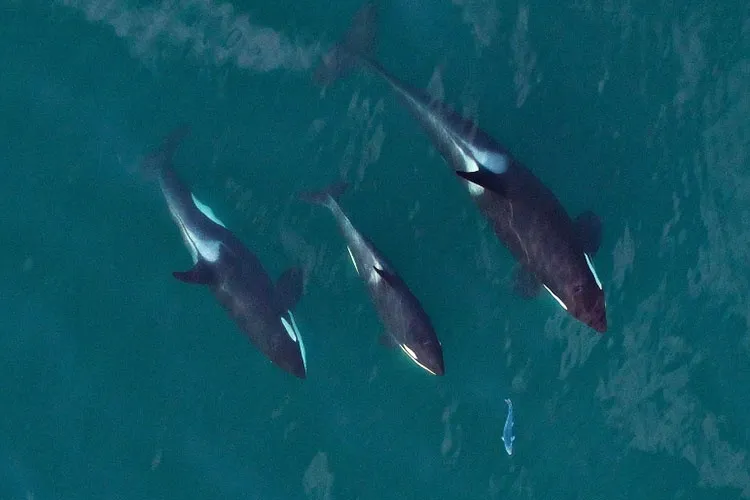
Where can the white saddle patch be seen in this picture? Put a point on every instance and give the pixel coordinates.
(497, 163)
(206, 210)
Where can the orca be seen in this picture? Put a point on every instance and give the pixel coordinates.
(552, 250)
(260, 308)
(407, 324)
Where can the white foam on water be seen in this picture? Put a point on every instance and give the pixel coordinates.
(483, 16)
(214, 33)
(524, 57)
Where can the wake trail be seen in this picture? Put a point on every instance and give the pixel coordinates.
(213, 33)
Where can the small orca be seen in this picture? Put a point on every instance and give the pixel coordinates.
(552, 250)
(508, 436)
(262, 309)
(406, 323)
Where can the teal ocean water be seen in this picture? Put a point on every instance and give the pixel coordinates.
(119, 382)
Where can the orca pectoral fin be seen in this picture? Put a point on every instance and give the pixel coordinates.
(200, 274)
(589, 229)
(289, 288)
(525, 284)
(387, 341)
(486, 179)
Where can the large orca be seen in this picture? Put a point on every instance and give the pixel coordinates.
(552, 250)
(407, 324)
(262, 309)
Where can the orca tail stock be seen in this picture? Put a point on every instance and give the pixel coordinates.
(357, 44)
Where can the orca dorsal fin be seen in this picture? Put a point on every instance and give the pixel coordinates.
(200, 274)
(389, 278)
(289, 288)
(486, 179)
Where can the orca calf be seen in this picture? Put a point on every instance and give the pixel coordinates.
(407, 325)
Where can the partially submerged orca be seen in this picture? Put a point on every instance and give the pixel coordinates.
(552, 250)
(407, 324)
(262, 309)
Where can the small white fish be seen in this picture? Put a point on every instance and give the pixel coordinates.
(508, 436)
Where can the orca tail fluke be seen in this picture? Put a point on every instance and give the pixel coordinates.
(326, 197)
(162, 156)
(358, 43)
